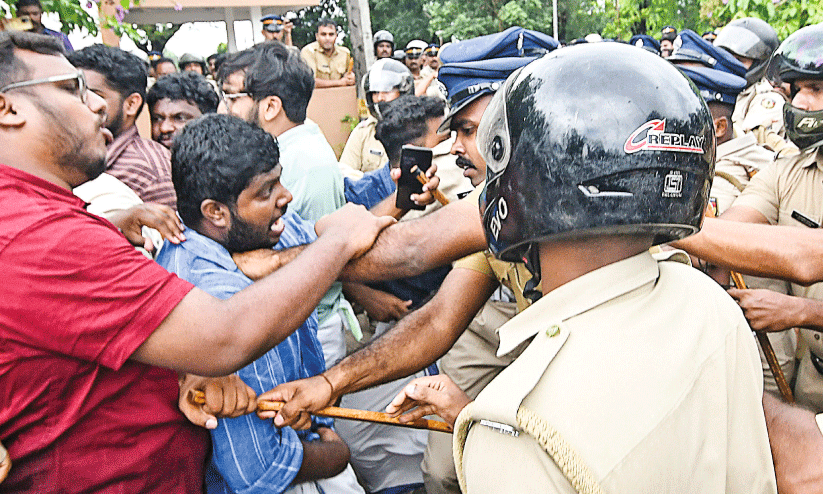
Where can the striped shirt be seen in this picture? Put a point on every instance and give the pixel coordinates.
(143, 165)
(250, 455)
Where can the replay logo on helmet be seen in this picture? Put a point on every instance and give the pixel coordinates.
(651, 136)
(501, 211)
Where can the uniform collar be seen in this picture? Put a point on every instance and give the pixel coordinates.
(737, 144)
(812, 157)
(578, 296)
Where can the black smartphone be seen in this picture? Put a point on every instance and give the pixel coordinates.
(419, 159)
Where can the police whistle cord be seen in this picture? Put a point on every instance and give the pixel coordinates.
(423, 179)
(199, 398)
(768, 351)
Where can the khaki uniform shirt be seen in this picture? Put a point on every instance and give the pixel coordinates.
(656, 385)
(759, 110)
(791, 184)
(363, 152)
(739, 157)
(325, 67)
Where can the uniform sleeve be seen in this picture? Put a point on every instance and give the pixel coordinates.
(80, 278)
(761, 194)
(353, 152)
(307, 57)
(476, 262)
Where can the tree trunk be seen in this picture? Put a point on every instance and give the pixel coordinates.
(361, 39)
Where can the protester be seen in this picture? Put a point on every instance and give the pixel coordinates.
(332, 64)
(94, 334)
(120, 78)
(175, 100)
(34, 11)
(226, 174)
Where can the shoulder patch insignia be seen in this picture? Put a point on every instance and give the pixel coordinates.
(767, 103)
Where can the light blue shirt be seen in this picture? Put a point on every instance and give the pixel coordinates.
(250, 455)
(312, 175)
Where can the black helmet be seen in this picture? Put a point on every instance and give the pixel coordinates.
(383, 35)
(386, 74)
(752, 38)
(634, 155)
(800, 57)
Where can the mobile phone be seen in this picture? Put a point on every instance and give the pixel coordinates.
(408, 184)
(16, 24)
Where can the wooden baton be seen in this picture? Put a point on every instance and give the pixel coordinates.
(423, 179)
(199, 398)
(768, 351)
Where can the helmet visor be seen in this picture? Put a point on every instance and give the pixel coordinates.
(800, 56)
(742, 42)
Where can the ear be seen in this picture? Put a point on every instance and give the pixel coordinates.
(9, 114)
(132, 105)
(721, 127)
(216, 213)
(270, 108)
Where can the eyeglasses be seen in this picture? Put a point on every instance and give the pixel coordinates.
(80, 90)
(230, 98)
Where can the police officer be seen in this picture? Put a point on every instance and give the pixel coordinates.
(646, 42)
(276, 27)
(788, 193)
(192, 63)
(759, 107)
(383, 44)
(385, 81)
(667, 36)
(634, 368)
(720, 80)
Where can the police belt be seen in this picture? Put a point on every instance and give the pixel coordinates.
(817, 362)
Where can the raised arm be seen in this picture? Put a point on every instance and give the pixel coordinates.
(209, 337)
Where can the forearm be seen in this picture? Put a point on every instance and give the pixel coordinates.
(419, 338)
(811, 313)
(784, 252)
(387, 207)
(323, 83)
(413, 247)
(233, 332)
(797, 446)
(322, 460)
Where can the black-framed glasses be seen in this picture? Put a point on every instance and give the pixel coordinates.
(81, 89)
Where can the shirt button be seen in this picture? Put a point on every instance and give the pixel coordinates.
(554, 330)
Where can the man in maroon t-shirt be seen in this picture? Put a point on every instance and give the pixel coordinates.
(92, 332)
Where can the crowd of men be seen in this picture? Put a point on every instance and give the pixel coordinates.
(609, 280)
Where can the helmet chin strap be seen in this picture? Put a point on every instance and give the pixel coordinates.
(531, 291)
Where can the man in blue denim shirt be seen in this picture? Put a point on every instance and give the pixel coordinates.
(226, 174)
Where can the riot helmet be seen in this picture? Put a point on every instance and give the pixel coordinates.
(751, 38)
(383, 35)
(636, 156)
(800, 57)
(385, 75)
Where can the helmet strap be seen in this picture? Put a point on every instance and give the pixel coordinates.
(531, 290)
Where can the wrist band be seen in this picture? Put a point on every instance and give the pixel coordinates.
(330, 384)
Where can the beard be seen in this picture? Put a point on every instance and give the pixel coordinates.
(244, 236)
(115, 126)
(71, 150)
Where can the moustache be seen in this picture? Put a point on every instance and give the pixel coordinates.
(464, 162)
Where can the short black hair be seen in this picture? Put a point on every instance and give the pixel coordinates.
(160, 60)
(12, 69)
(188, 86)
(28, 3)
(325, 21)
(235, 63)
(405, 120)
(280, 71)
(124, 72)
(216, 157)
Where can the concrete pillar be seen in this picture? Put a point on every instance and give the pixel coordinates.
(255, 13)
(230, 35)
